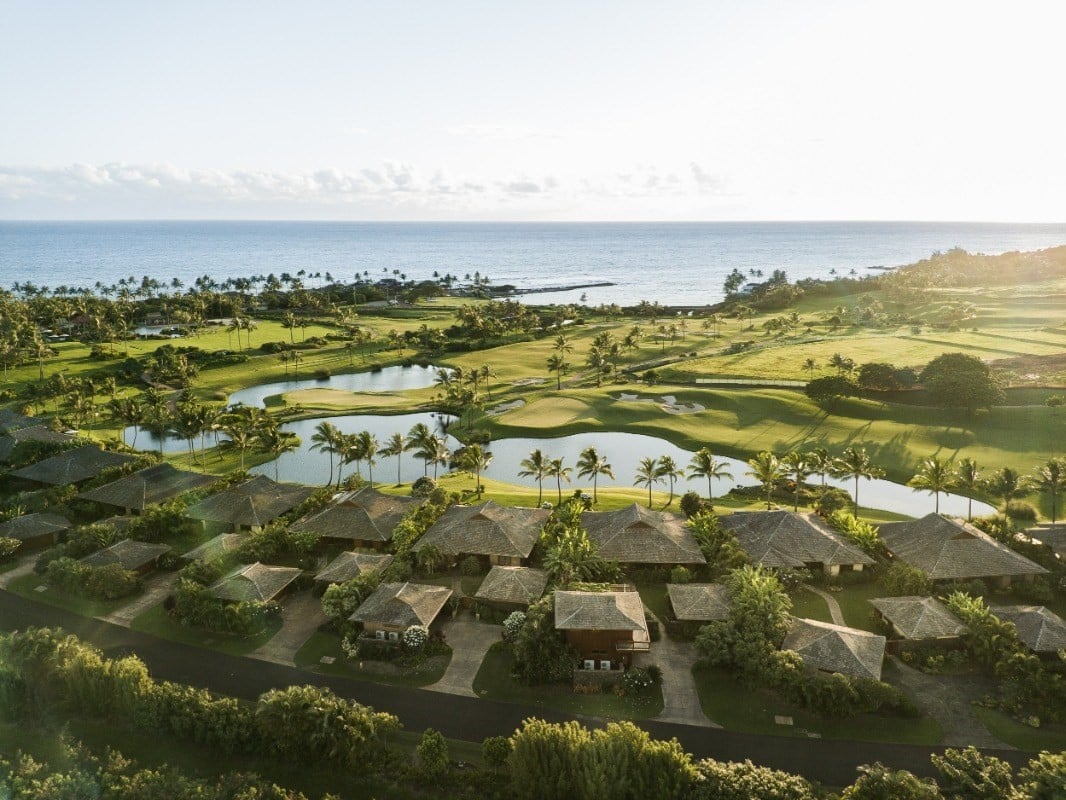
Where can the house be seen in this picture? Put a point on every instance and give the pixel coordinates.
(250, 505)
(361, 518)
(33, 433)
(1041, 630)
(503, 534)
(952, 550)
(216, 547)
(919, 619)
(791, 540)
(13, 421)
(139, 557)
(139, 490)
(351, 565)
(699, 602)
(1054, 536)
(395, 607)
(73, 466)
(35, 531)
(604, 628)
(255, 582)
(638, 535)
(836, 648)
(512, 588)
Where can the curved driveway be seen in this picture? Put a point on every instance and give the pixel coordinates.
(829, 761)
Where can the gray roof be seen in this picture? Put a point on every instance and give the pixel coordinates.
(73, 466)
(699, 602)
(599, 611)
(12, 421)
(515, 585)
(486, 530)
(1053, 536)
(351, 565)
(148, 487)
(256, 581)
(638, 535)
(786, 539)
(401, 605)
(30, 526)
(216, 547)
(1041, 630)
(919, 617)
(253, 503)
(950, 549)
(34, 433)
(364, 515)
(129, 553)
(835, 648)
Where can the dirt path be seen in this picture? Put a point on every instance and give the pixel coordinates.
(301, 615)
(681, 702)
(834, 607)
(470, 640)
(156, 588)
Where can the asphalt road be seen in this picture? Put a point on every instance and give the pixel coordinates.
(831, 762)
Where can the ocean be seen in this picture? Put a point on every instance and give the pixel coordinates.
(672, 263)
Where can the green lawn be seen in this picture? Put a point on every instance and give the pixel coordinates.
(1024, 737)
(322, 644)
(808, 605)
(27, 587)
(853, 600)
(655, 598)
(734, 706)
(494, 682)
(158, 622)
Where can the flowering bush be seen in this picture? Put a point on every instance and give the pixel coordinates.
(415, 637)
(636, 680)
(350, 646)
(513, 623)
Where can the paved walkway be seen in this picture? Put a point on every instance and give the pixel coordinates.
(949, 700)
(834, 607)
(470, 640)
(156, 588)
(681, 702)
(301, 615)
(25, 567)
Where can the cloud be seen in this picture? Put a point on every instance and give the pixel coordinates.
(705, 181)
(502, 133)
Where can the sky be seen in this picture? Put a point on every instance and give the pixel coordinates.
(405, 110)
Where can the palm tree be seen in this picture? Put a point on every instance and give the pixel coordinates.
(325, 440)
(705, 465)
(394, 446)
(855, 463)
(351, 450)
(369, 445)
(810, 365)
(648, 475)
(535, 466)
(1051, 478)
(1007, 484)
(439, 453)
(240, 433)
(418, 438)
(820, 462)
(669, 469)
(475, 460)
(767, 469)
(934, 476)
(276, 441)
(796, 465)
(290, 322)
(560, 473)
(597, 361)
(967, 479)
(558, 365)
(590, 464)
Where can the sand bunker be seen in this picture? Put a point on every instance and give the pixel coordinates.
(495, 411)
(529, 382)
(667, 403)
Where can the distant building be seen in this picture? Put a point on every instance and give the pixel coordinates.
(140, 490)
(250, 505)
(349, 565)
(699, 602)
(1041, 630)
(395, 607)
(73, 466)
(790, 540)
(255, 583)
(638, 535)
(501, 534)
(361, 518)
(919, 619)
(216, 547)
(836, 648)
(35, 531)
(512, 588)
(604, 628)
(139, 557)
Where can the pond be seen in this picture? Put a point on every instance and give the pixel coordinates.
(622, 450)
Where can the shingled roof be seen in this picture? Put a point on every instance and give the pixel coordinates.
(599, 611)
(786, 539)
(1041, 630)
(638, 535)
(486, 530)
(835, 648)
(216, 547)
(350, 565)
(256, 581)
(1053, 536)
(950, 549)
(253, 503)
(148, 487)
(699, 602)
(919, 617)
(12, 421)
(129, 553)
(513, 585)
(401, 605)
(34, 433)
(73, 466)
(364, 515)
(30, 526)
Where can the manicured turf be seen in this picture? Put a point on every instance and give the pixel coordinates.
(158, 622)
(1024, 737)
(734, 706)
(494, 682)
(322, 644)
(807, 605)
(853, 600)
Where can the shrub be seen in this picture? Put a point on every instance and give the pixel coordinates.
(748, 781)
(423, 487)
(1020, 511)
(832, 499)
(692, 504)
(860, 533)
(513, 623)
(470, 566)
(8, 547)
(636, 680)
(901, 580)
(111, 582)
(67, 575)
(433, 753)
(415, 637)
(680, 574)
(495, 750)
(1037, 591)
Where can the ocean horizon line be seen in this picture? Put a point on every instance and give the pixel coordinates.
(330, 221)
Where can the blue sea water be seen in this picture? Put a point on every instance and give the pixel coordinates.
(673, 263)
